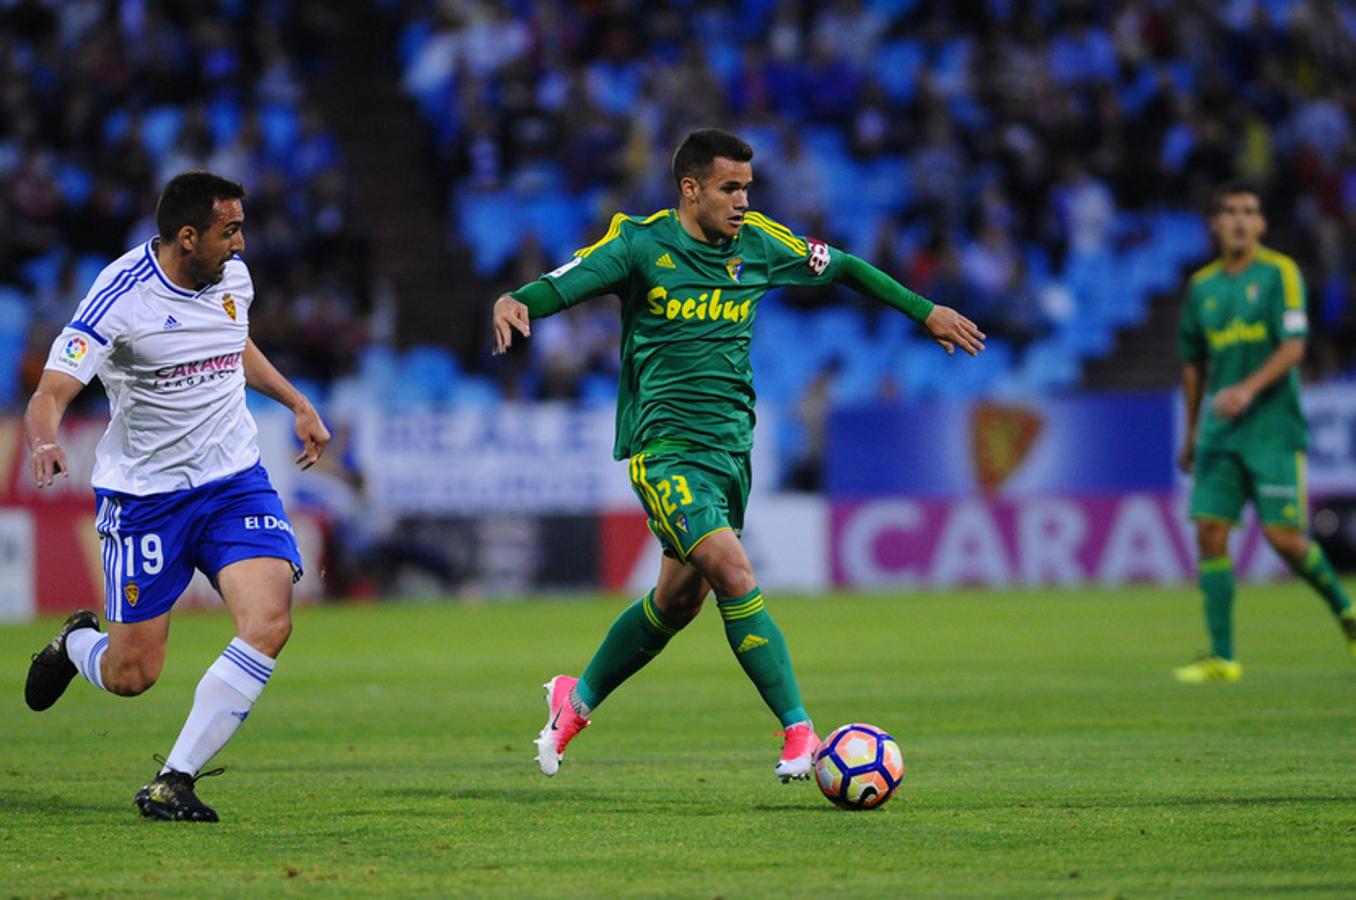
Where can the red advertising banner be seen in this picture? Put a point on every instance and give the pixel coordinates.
(50, 558)
(62, 568)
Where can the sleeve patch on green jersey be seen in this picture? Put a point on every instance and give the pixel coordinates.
(557, 272)
(818, 258)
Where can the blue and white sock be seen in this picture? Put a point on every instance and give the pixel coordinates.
(223, 699)
(86, 647)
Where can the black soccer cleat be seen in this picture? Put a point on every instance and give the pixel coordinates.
(51, 670)
(170, 798)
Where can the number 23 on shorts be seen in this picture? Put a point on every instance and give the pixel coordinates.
(666, 490)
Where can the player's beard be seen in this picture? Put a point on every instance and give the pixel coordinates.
(208, 276)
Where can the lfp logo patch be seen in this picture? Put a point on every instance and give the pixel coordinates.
(75, 350)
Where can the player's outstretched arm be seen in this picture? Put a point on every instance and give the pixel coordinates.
(510, 315)
(41, 421)
(261, 375)
(946, 326)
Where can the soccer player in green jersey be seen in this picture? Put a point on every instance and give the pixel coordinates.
(1242, 338)
(689, 280)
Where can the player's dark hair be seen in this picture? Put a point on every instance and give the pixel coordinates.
(188, 200)
(700, 148)
(1230, 189)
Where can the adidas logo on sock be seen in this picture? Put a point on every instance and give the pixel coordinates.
(665, 262)
(750, 642)
(170, 322)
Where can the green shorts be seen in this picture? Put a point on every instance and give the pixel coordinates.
(691, 493)
(1274, 481)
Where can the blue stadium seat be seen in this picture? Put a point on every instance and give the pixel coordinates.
(43, 272)
(897, 68)
(597, 389)
(279, 126)
(223, 119)
(13, 335)
(431, 372)
(76, 183)
(476, 391)
(160, 128)
(557, 218)
(488, 223)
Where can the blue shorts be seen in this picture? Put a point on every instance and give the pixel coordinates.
(152, 544)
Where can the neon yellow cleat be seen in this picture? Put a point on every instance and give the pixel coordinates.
(1209, 668)
(1348, 620)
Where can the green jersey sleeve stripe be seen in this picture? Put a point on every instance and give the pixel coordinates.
(1290, 277)
(776, 230)
(613, 231)
(1206, 271)
(795, 246)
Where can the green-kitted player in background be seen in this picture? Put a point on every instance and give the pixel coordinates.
(1242, 339)
(689, 280)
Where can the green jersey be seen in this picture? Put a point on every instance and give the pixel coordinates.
(1233, 323)
(687, 312)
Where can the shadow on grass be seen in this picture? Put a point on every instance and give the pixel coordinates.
(586, 797)
(42, 804)
(1165, 803)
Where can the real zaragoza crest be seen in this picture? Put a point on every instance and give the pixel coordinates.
(1000, 439)
(228, 304)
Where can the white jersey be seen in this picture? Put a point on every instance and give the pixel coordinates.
(172, 363)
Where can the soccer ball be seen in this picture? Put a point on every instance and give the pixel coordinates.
(858, 766)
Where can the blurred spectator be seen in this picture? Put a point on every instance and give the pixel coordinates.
(102, 102)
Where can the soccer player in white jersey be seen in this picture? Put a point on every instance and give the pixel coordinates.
(177, 478)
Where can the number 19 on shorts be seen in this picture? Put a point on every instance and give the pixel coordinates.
(150, 555)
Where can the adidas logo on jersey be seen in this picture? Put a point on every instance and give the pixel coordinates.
(665, 262)
(170, 322)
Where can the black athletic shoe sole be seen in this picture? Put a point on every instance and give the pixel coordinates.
(170, 798)
(51, 671)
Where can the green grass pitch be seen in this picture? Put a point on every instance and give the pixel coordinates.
(1048, 752)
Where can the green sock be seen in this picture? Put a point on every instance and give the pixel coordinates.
(637, 636)
(761, 649)
(1217, 583)
(1321, 577)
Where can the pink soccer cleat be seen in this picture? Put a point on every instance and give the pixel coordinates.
(798, 753)
(562, 724)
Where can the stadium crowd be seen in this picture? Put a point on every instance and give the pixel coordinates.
(978, 150)
(103, 102)
(1040, 165)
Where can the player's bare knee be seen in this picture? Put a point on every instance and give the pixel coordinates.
(734, 579)
(681, 608)
(267, 634)
(1212, 539)
(1291, 544)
